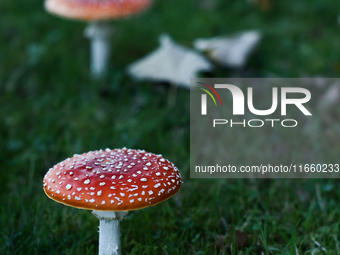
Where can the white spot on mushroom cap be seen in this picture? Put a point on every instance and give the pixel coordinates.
(87, 181)
(68, 186)
(143, 179)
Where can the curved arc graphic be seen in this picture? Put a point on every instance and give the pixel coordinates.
(213, 90)
(210, 95)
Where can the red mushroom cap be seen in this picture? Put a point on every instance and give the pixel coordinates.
(112, 180)
(96, 9)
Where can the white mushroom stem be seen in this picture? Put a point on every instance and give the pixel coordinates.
(99, 33)
(109, 232)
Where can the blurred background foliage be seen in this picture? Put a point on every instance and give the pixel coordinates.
(51, 109)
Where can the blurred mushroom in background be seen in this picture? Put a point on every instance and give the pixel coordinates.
(97, 12)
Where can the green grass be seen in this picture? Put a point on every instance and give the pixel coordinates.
(50, 109)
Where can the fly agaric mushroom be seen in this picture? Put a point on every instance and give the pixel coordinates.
(111, 183)
(97, 12)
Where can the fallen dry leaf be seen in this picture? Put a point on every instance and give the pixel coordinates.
(263, 5)
(171, 63)
(230, 51)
